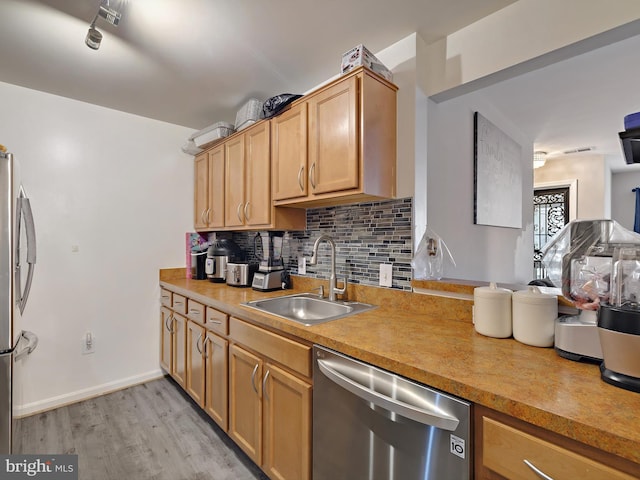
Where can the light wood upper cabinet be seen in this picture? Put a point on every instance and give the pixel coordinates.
(346, 153)
(209, 189)
(234, 182)
(289, 153)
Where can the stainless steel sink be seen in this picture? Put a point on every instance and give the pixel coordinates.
(307, 308)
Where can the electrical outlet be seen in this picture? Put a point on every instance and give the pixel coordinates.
(386, 274)
(302, 265)
(88, 343)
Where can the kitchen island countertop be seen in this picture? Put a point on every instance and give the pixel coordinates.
(431, 340)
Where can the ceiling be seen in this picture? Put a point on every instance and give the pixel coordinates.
(196, 62)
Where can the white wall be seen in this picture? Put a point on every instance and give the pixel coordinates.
(593, 181)
(481, 252)
(118, 187)
(623, 200)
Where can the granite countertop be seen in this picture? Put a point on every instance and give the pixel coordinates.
(431, 339)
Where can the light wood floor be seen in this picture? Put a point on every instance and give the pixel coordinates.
(150, 431)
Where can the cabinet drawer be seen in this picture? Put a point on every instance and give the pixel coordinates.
(165, 297)
(195, 310)
(217, 321)
(292, 354)
(506, 449)
(179, 303)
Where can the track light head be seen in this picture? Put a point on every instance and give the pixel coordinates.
(93, 38)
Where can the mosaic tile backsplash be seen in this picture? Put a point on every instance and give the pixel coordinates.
(366, 235)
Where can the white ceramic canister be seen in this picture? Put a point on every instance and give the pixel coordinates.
(534, 317)
(492, 311)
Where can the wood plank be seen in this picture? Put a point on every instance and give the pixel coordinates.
(153, 430)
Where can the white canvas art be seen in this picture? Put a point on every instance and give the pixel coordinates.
(497, 176)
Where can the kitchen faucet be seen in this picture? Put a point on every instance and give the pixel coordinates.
(333, 288)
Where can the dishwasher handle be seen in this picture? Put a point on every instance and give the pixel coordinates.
(434, 418)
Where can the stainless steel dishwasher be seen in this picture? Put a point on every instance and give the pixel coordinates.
(370, 424)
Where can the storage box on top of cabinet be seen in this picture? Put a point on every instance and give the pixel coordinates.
(212, 133)
(248, 114)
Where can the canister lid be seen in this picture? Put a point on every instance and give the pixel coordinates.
(533, 295)
(492, 291)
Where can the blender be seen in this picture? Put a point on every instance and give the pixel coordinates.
(267, 247)
(619, 322)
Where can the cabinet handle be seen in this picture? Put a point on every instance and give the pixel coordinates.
(300, 178)
(170, 328)
(246, 211)
(207, 216)
(204, 210)
(207, 340)
(165, 296)
(198, 344)
(537, 471)
(194, 310)
(253, 378)
(216, 322)
(264, 385)
(178, 303)
(238, 211)
(311, 175)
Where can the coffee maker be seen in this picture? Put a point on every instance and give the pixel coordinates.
(219, 254)
(271, 275)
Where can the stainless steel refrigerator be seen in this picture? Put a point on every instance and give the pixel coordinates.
(17, 262)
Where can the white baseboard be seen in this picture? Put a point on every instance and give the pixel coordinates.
(84, 394)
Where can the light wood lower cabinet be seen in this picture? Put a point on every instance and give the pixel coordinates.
(254, 383)
(195, 377)
(507, 448)
(173, 344)
(269, 407)
(216, 368)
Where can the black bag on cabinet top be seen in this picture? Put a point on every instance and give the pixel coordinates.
(275, 105)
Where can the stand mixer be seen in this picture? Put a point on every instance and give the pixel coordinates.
(597, 265)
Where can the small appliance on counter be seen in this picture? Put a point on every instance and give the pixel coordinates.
(271, 275)
(619, 322)
(220, 253)
(199, 263)
(597, 265)
(240, 274)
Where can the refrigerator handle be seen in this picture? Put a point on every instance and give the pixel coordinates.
(23, 207)
(32, 343)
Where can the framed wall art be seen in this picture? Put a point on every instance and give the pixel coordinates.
(497, 176)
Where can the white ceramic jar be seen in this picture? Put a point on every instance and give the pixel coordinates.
(492, 311)
(534, 317)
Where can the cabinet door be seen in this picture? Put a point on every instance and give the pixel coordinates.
(287, 425)
(245, 406)
(215, 215)
(257, 208)
(166, 326)
(216, 379)
(178, 353)
(195, 362)
(333, 138)
(201, 191)
(289, 153)
(234, 182)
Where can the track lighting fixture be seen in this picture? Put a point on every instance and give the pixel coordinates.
(111, 15)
